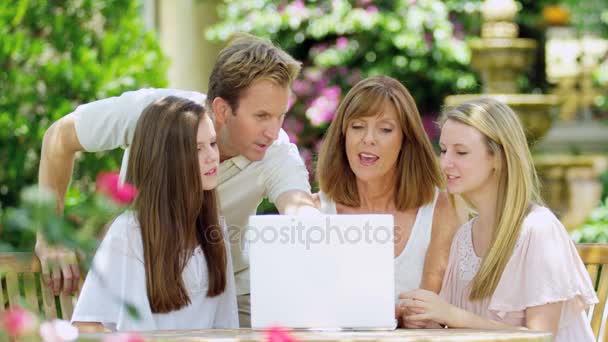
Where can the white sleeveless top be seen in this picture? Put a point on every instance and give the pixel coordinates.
(410, 263)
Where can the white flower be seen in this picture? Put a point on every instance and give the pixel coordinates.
(58, 331)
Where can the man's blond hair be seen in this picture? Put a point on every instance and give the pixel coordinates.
(245, 60)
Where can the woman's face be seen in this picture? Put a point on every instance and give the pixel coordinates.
(373, 144)
(208, 154)
(465, 158)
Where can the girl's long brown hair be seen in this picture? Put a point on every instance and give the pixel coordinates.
(174, 212)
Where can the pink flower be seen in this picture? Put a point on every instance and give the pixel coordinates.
(342, 43)
(109, 185)
(332, 92)
(58, 331)
(291, 100)
(19, 322)
(293, 127)
(124, 337)
(314, 74)
(323, 108)
(371, 9)
(297, 9)
(318, 48)
(278, 334)
(302, 87)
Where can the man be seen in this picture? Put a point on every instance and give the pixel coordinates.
(249, 89)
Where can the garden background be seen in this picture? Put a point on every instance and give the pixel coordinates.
(55, 55)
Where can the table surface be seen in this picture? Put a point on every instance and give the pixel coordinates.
(427, 335)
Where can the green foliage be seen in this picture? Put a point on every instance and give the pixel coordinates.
(55, 55)
(589, 15)
(37, 213)
(596, 227)
(77, 229)
(417, 42)
(604, 180)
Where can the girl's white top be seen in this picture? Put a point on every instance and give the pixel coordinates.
(118, 276)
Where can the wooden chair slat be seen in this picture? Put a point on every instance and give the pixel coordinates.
(593, 253)
(31, 292)
(3, 300)
(12, 289)
(48, 301)
(593, 270)
(19, 262)
(67, 306)
(595, 257)
(27, 266)
(598, 310)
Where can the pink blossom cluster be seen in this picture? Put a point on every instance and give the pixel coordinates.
(323, 108)
(109, 184)
(296, 9)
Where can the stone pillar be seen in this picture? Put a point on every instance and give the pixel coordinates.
(181, 27)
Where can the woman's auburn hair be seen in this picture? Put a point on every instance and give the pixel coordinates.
(518, 185)
(175, 214)
(418, 173)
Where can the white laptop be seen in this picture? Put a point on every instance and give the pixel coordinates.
(327, 272)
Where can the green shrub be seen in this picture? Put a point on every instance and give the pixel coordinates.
(596, 227)
(55, 55)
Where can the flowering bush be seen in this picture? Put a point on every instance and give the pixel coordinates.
(420, 42)
(56, 55)
(77, 229)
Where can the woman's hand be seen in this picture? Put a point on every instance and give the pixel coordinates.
(402, 312)
(426, 307)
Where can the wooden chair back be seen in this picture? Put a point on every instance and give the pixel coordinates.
(22, 285)
(595, 258)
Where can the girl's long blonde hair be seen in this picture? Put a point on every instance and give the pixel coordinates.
(518, 185)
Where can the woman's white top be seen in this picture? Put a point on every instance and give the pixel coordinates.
(118, 275)
(409, 265)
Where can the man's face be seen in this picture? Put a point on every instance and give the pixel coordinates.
(256, 123)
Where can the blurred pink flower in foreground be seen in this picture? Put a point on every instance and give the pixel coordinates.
(278, 334)
(19, 322)
(108, 183)
(58, 331)
(123, 337)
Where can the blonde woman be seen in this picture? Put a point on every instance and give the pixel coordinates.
(513, 265)
(377, 158)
